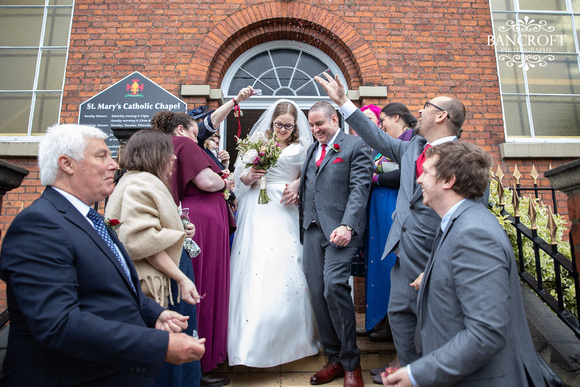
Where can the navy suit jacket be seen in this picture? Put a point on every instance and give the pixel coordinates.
(74, 319)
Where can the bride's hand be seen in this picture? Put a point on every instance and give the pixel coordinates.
(253, 175)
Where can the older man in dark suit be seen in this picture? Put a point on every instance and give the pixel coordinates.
(78, 316)
(472, 327)
(334, 190)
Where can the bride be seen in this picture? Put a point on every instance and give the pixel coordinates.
(271, 320)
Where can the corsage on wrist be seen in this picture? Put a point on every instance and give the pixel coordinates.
(225, 191)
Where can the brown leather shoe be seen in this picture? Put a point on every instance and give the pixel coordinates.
(328, 373)
(353, 378)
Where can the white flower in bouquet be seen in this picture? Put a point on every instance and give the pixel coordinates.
(250, 156)
(260, 152)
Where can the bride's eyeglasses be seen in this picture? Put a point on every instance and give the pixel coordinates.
(279, 125)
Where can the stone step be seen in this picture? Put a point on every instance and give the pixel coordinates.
(298, 373)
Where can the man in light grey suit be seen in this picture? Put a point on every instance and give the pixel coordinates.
(472, 327)
(414, 225)
(334, 189)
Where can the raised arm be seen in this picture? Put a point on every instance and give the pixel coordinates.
(222, 112)
(366, 129)
(210, 124)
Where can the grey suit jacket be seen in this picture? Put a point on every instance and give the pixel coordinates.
(414, 224)
(340, 187)
(473, 330)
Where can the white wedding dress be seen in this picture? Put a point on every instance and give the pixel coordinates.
(271, 319)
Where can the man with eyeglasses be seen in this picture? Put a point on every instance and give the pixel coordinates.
(414, 225)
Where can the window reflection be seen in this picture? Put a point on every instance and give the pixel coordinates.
(543, 5)
(33, 68)
(538, 67)
(555, 116)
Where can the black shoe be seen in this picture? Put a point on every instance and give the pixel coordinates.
(378, 370)
(213, 379)
(383, 335)
(378, 379)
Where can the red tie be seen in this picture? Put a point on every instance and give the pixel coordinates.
(421, 160)
(322, 156)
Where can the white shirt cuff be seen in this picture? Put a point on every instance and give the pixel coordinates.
(347, 109)
(413, 382)
(209, 124)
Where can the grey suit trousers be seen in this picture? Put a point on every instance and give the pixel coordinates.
(403, 315)
(331, 298)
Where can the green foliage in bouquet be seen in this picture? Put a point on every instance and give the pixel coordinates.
(546, 262)
(260, 152)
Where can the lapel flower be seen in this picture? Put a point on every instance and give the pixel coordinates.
(335, 148)
(113, 223)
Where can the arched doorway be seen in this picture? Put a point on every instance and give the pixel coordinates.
(280, 69)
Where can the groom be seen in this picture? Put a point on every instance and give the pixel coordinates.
(334, 189)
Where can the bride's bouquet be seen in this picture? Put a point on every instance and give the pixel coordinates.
(259, 152)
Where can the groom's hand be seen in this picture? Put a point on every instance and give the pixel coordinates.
(290, 193)
(340, 236)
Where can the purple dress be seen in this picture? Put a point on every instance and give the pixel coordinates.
(209, 213)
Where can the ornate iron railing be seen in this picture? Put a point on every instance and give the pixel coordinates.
(543, 266)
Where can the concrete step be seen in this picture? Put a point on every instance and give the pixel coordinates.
(298, 373)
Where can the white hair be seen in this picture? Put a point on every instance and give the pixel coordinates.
(65, 139)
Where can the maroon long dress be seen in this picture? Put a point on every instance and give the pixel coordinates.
(209, 213)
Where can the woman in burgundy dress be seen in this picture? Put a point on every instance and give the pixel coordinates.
(197, 183)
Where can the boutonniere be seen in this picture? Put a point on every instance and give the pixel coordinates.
(335, 148)
(113, 223)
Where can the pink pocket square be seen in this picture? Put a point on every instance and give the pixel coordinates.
(337, 160)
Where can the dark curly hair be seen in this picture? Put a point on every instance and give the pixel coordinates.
(167, 121)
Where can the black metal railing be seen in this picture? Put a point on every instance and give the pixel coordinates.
(551, 289)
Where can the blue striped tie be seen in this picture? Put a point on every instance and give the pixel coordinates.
(97, 220)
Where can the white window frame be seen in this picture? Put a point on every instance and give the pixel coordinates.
(551, 151)
(262, 102)
(40, 48)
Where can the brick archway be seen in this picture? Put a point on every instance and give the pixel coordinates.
(295, 21)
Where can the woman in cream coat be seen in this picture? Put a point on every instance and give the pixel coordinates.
(152, 232)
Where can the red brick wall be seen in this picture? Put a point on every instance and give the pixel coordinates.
(417, 49)
(14, 201)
